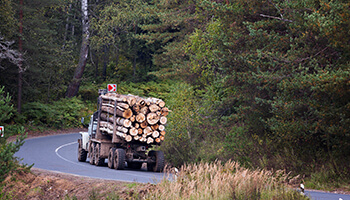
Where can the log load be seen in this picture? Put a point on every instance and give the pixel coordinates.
(133, 118)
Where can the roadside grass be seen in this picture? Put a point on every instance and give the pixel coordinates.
(327, 178)
(225, 181)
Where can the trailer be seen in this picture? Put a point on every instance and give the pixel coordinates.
(119, 137)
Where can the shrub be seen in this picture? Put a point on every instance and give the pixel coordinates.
(60, 114)
(8, 163)
(6, 109)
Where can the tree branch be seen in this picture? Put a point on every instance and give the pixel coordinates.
(282, 19)
(7, 53)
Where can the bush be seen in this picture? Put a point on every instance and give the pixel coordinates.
(6, 109)
(8, 163)
(60, 114)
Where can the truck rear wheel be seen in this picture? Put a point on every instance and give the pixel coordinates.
(119, 159)
(157, 156)
(111, 158)
(82, 154)
(98, 160)
(91, 153)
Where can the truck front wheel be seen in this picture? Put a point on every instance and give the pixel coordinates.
(82, 154)
(119, 159)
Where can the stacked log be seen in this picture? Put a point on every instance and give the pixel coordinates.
(136, 118)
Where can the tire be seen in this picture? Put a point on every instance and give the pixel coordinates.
(98, 160)
(111, 158)
(135, 165)
(91, 153)
(158, 166)
(82, 154)
(119, 159)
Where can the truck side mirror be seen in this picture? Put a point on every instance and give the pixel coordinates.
(82, 120)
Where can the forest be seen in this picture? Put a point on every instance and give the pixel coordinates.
(265, 83)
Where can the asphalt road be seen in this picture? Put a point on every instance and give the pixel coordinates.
(59, 153)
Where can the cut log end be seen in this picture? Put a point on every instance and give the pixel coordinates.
(161, 104)
(155, 134)
(152, 118)
(140, 117)
(161, 127)
(127, 113)
(133, 131)
(150, 140)
(163, 120)
(128, 138)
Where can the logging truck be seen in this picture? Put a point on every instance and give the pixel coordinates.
(123, 130)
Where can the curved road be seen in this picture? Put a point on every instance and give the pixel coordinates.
(59, 153)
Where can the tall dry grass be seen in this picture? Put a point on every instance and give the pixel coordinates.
(224, 181)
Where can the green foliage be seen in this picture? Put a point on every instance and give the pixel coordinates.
(145, 89)
(8, 163)
(60, 114)
(115, 27)
(6, 108)
(183, 133)
(283, 80)
(328, 178)
(207, 52)
(7, 18)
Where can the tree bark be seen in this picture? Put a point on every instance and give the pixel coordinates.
(105, 62)
(67, 27)
(73, 87)
(20, 64)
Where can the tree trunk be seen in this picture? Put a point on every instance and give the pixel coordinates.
(20, 64)
(67, 27)
(73, 87)
(134, 67)
(96, 67)
(105, 62)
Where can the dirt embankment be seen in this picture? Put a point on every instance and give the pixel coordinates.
(42, 184)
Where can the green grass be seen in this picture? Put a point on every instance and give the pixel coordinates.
(327, 178)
